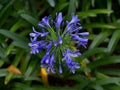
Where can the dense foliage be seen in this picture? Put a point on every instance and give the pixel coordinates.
(99, 63)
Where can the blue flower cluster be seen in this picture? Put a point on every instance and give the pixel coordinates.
(57, 38)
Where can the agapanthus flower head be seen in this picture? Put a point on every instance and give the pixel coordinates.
(57, 38)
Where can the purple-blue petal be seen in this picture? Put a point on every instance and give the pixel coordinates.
(48, 47)
(46, 58)
(75, 37)
(45, 22)
(36, 46)
(58, 20)
(67, 56)
(44, 34)
(33, 36)
(51, 64)
(84, 33)
(75, 19)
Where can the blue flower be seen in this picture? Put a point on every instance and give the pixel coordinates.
(80, 41)
(45, 59)
(33, 36)
(48, 62)
(72, 65)
(48, 47)
(45, 22)
(58, 20)
(70, 53)
(74, 25)
(56, 38)
(74, 19)
(37, 46)
(51, 64)
(37, 34)
(83, 33)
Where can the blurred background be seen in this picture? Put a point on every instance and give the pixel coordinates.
(100, 62)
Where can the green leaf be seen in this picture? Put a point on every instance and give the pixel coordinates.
(4, 13)
(20, 86)
(84, 83)
(99, 39)
(113, 41)
(93, 13)
(104, 61)
(31, 67)
(21, 44)
(6, 8)
(51, 2)
(103, 80)
(9, 49)
(59, 7)
(30, 19)
(3, 72)
(2, 52)
(31, 78)
(113, 87)
(17, 25)
(110, 71)
(1, 6)
(8, 78)
(25, 64)
(109, 5)
(72, 7)
(18, 57)
(93, 2)
(106, 81)
(86, 14)
(101, 11)
(99, 25)
(98, 87)
(49, 88)
(18, 40)
(23, 86)
(93, 51)
(15, 63)
(85, 5)
(1, 63)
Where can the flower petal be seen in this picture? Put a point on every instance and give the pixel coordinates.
(75, 19)
(58, 20)
(45, 22)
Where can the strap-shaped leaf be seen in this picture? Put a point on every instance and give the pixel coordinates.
(18, 40)
(110, 71)
(93, 51)
(29, 19)
(6, 8)
(72, 7)
(51, 2)
(93, 13)
(113, 41)
(104, 61)
(31, 67)
(15, 63)
(99, 39)
(99, 25)
(3, 72)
